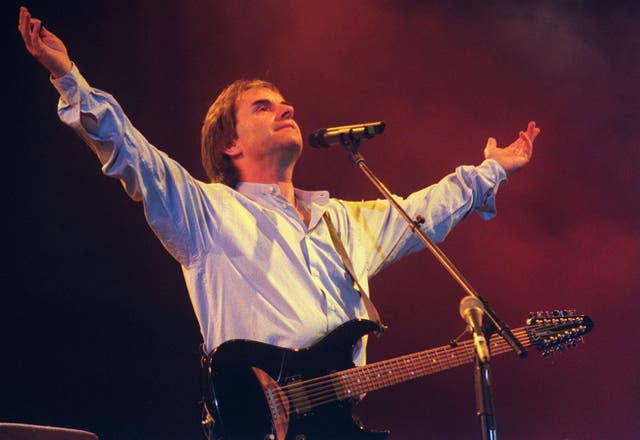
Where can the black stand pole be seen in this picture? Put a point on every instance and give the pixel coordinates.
(484, 399)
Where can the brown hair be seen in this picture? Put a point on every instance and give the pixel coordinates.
(219, 131)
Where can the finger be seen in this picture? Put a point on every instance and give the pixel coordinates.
(491, 145)
(21, 16)
(35, 35)
(527, 145)
(525, 137)
(46, 35)
(532, 130)
(23, 26)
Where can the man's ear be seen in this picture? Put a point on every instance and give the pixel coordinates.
(233, 150)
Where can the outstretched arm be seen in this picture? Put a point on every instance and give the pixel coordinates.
(43, 45)
(382, 237)
(173, 200)
(516, 155)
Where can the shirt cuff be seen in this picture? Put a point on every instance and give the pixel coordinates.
(492, 167)
(491, 176)
(69, 84)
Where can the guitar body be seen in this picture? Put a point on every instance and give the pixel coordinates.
(236, 396)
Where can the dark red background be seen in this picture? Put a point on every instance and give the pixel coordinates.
(97, 330)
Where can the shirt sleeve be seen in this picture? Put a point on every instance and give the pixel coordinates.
(172, 198)
(376, 235)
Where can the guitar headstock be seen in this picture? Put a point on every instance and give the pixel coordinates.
(557, 330)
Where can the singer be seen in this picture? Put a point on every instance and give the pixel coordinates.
(256, 252)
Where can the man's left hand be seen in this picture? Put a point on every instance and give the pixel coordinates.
(516, 155)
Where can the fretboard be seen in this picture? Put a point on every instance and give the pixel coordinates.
(360, 380)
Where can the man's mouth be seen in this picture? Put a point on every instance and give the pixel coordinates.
(282, 127)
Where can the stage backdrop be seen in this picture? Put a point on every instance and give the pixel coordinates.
(97, 331)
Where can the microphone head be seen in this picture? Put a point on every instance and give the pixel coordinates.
(376, 127)
(316, 139)
(468, 303)
(345, 135)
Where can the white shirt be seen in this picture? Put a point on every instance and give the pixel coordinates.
(252, 268)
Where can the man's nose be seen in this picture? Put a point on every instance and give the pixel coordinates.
(287, 111)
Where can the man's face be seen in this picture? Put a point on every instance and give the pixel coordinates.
(265, 125)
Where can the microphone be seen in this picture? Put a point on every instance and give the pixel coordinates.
(472, 311)
(346, 135)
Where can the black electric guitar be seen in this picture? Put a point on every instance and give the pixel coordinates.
(259, 391)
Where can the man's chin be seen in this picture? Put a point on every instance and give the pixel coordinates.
(292, 145)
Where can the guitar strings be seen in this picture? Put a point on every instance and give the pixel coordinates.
(314, 392)
(332, 387)
(435, 354)
(333, 394)
(337, 393)
(344, 384)
(459, 356)
(338, 388)
(450, 353)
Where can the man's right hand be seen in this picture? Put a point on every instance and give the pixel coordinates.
(45, 46)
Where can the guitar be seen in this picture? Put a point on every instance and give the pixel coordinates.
(259, 391)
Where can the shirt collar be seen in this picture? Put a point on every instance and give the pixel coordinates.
(258, 191)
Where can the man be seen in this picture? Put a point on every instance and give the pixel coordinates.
(257, 253)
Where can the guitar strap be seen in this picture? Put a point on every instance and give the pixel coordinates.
(372, 311)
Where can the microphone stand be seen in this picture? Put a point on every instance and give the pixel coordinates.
(483, 384)
(484, 398)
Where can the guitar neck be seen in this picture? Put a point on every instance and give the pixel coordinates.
(545, 331)
(360, 380)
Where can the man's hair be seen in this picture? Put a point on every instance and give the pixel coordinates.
(219, 131)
